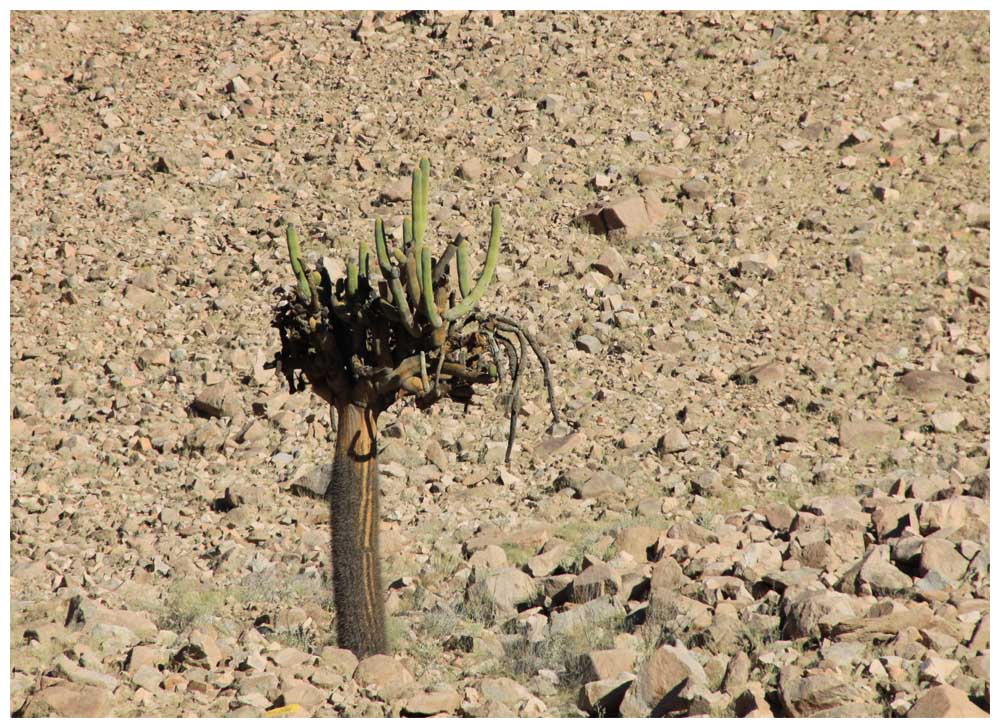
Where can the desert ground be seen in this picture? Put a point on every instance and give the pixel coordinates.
(755, 247)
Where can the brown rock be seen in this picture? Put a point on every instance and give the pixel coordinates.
(882, 622)
(656, 689)
(388, 677)
(505, 589)
(397, 191)
(88, 613)
(606, 664)
(976, 215)
(820, 693)
(658, 174)
(672, 441)
(737, 674)
(779, 516)
(956, 512)
(928, 385)
(66, 700)
(600, 484)
(611, 263)
(504, 690)
(667, 575)
(637, 541)
(545, 563)
(442, 700)
(751, 703)
(470, 169)
(866, 436)
(758, 264)
(941, 556)
(217, 400)
(595, 581)
(627, 217)
(944, 701)
(875, 571)
(811, 611)
(299, 692)
(604, 697)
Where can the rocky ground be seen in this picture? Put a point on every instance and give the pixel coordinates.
(755, 246)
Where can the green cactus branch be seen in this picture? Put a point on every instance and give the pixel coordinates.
(492, 254)
(430, 305)
(295, 254)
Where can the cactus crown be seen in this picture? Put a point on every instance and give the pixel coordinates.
(410, 328)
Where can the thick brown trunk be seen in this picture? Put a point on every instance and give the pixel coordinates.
(354, 519)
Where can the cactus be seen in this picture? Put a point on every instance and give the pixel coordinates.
(295, 254)
(362, 343)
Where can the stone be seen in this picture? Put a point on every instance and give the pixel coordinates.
(875, 571)
(604, 697)
(66, 700)
(87, 613)
(672, 441)
(976, 215)
(944, 701)
(627, 217)
(758, 264)
(611, 263)
(945, 136)
(656, 689)
(891, 519)
(737, 673)
(471, 169)
(504, 690)
(822, 693)
(599, 484)
(491, 557)
(940, 555)
(441, 700)
(956, 512)
(606, 664)
(397, 191)
(341, 661)
(637, 541)
(929, 385)
(147, 677)
(752, 703)
(505, 589)
(217, 400)
(596, 581)
(810, 612)
(779, 516)
(386, 675)
(657, 175)
(866, 436)
(937, 669)
(947, 421)
(548, 560)
(589, 344)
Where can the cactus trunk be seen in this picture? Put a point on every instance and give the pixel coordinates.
(354, 511)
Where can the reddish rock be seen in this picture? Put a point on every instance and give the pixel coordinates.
(627, 217)
(944, 701)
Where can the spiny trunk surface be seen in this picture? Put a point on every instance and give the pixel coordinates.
(354, 518)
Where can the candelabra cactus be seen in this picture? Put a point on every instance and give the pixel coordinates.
(411, 328)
